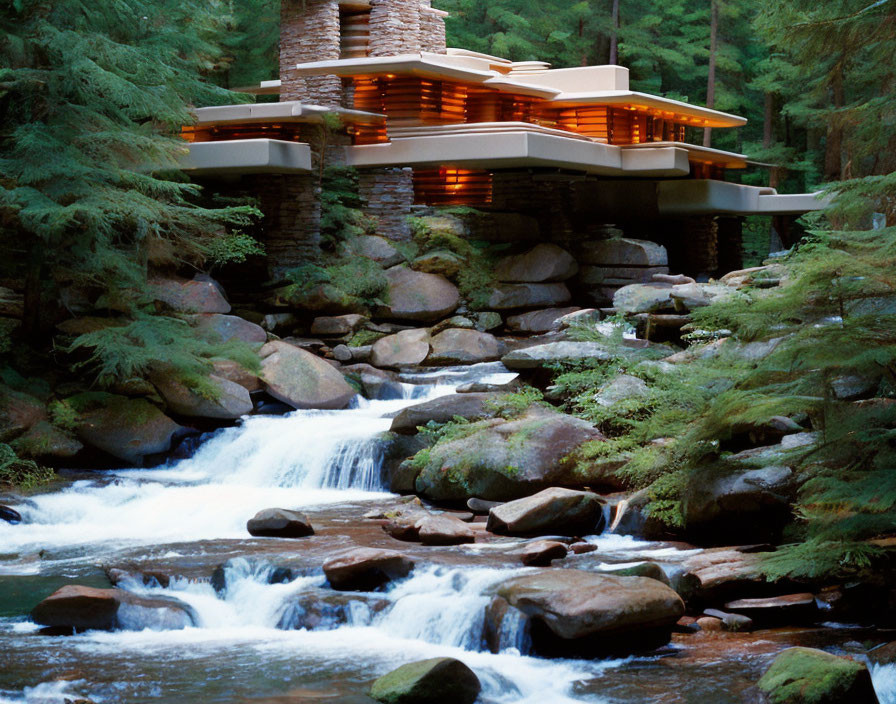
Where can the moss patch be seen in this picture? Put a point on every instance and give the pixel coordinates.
(809, 676)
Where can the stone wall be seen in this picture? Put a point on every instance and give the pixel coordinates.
(291, 225)
(432, 31)
(548, 201)
(730, 244)
(309, 31)
(394, 27)
(388, 196)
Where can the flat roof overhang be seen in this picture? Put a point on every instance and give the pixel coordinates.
(697, 152)
(701, 116)
(706, 197)
(287, 111)
(247, 156)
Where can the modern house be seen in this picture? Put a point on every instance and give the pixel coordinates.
(371, 84)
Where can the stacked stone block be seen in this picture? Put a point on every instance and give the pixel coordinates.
(394, 27)
(291, 206)
(388, 196)
(309, 31)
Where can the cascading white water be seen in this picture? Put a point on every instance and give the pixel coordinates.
(303, 459)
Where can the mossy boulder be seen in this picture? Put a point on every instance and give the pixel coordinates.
(18, 413)
(433, 681)
(416, 295)
(810, 676)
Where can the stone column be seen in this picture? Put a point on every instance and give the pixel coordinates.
(701, 242)
(394, 27)
(731, 244)
(291, 225)
(309, 31)
(388, 196)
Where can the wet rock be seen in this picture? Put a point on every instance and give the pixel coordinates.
(543, 263)
(237, 373)
(712, 574)
(444, 409)
(416, 295)
(501, 460)
(435, 681)
(555, 511)
(326, 610)
(508, 296)
(45, 441)
(538, 321)
(279, 523)
(129, 429)
(186, 296)
(788, 609)
(644, 569)
(79, 608)
(375, 383)
(443, 530)
(737, 623)
(586, 613)
(622, 251)
(480, 506)
(223, 328)
(643, 298)
(621, 388)
(744, 506)
(404, 348)
(301, 379)
(403, 528)
(366, 569)
(553, 352)
(582, 548)
(540, 553)
(458, 346)
(710, 624)
(228, 400)
(18, 412)
(336, 326)
(10, 515)
(810, 676)
(379, 249)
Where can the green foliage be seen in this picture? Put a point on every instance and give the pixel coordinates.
(810, 676)
(234, 248)
(365, 337)
(512, 405)
(341, 217)
(354, 277)
(19, 473)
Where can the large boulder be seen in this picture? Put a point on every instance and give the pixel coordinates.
(443, 530)
(223, 328)
(440, 261)
(686, 297)
(552, 352)
(744, 506)
(588, 613)
(404, 348)
(129, 429)
(18, 412)
(222, 398)
(416, 295)
(623, 252)
(554, 511)
(185, 296)
(45, 441)
(538, 321)
(237, 373)
(79, 608)
(366, 569)
(279, 523)
(543, 263)
(443, 409)
(643, 298)
(302, 380)
(809, 676)
(459, 346)
(501, 460)
(507, 296)
(379, 249)
(435, 681)
(337, 325)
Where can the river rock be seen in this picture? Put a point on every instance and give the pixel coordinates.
(555, 511)
(301, 379)
(501, 460)
(642, 569)
(186, 296)
(10, 515)
(788, 609)
(366, 569)
(710, 624)
(458, 346)
(544, 262)
(379, 249)
(237, 373)
(338, 325)
(223, 399)
(79, 608)
(223, 328)
(279, 523)
(587, 613)
(487, 320)
(621, 388)
(326, 610)
(583, 317)
(643, 298)
(538, 321)
(480, 507)
(736, 623)
(809, 676)
(45, 441)
(744, 506)
(508, 296)
(404, 348)
(554, 352)
(622, 251)
(444, 409)
(129, 429)
(717, 573)
(416, 295)
(434, 681)
(540, 553)
(443, 530)
(18, 412)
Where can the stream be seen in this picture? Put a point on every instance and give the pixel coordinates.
(270, 630)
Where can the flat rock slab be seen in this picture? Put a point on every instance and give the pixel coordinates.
(509, 296)
(540, 553)
(788, 608)
(555, 511)
(544, 262)
(366, 569)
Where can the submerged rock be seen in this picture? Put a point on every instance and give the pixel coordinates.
(79, 608)
(810, 676)
(434, 681)
(555, 511)
(10, 515)
(366, 569)
(301, 379)
(279, 523)
(587, 613)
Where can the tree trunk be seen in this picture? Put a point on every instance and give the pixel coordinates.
(768, 135)
(711, 80)
(614, 38)
(833, 154)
